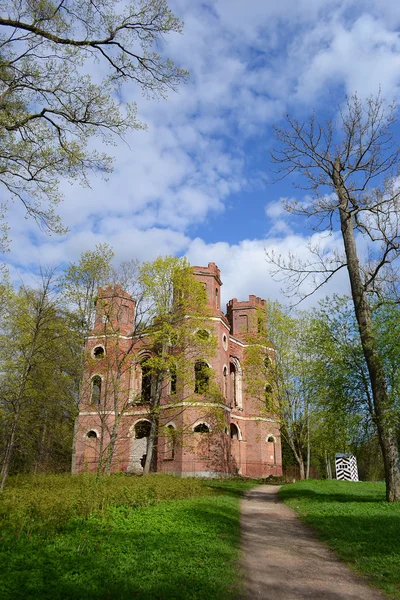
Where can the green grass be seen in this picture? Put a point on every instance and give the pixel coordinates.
(356, 522)
(155, 537)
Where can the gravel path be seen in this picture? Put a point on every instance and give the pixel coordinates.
(283, 559)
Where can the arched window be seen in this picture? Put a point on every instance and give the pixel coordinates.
(201, 377)
(233, 374)
(216, 297)
(271, 457)
(172, 379)
(170, 442)
(98, 352)
(146, 383)
(268, 395)
(202, 334)
(235, 371)
(225, 376)
(91, 435)
(96, 389)
(201, 428)
(234, 432)
(267, 363)
(142, 429)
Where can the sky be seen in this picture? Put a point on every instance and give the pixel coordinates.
(199, 182)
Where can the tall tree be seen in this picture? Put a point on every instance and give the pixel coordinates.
(79, 286)
(177, 309)
(38, 377)
(50, 105)
(159, 347)
(280, 380)
(350, 164)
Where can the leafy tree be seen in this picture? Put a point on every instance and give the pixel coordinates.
(166, 338)
(280, 381)
(38, 353)
(175, 335)
(79, 286)
(51, 106)
(350, 165)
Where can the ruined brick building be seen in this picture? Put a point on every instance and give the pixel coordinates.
(196, 437)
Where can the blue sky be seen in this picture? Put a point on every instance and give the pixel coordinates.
(195, 183)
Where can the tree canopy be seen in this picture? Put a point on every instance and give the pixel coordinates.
(63, 65)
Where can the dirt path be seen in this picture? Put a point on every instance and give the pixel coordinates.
(283, 559)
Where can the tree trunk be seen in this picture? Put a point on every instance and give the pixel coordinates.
(5, 467)
(382, 407)
(151, 444)
(328, 466)
(301, 467)
(308, 445)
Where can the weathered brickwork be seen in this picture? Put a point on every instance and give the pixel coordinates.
(241, 438)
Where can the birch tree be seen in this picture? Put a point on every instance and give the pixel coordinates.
(350, 166)
(64, 70)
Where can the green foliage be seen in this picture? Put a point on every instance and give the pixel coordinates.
(356, 522)
(38, 378)
(50, 104)
(148, 537)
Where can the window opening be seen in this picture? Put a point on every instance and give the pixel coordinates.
(234, 432)
(91, 434)
(96, 389)
(201, 428)
(98, 352)
(142, 430)
(146, 383)
(172, 379)
(202, 377)
(202, 334)
(225, 374)
(233, 374)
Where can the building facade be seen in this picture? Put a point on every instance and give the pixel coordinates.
(198, 435)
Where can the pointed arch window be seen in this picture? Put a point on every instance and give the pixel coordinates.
(96, 390)
(146, 384)
(201, 377)
(170, 442)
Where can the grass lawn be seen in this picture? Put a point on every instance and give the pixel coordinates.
(155, 537)
(355, 521)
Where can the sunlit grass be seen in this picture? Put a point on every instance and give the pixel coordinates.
(354, 520)
(155, 537)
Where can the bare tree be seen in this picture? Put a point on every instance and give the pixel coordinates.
(350, 165)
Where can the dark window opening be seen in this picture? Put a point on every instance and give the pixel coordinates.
(267, 363)
(271, 439)
(98, 352)
(216, 297)
(225, 374)
(146, 384)
(201, 428)
(172, 379)
(142, 430)
(234, 432)
(91, 434)
(268, 395)
(96, 389)
(260, 324)
(202, 377)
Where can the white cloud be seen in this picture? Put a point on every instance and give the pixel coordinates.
(249, 63)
